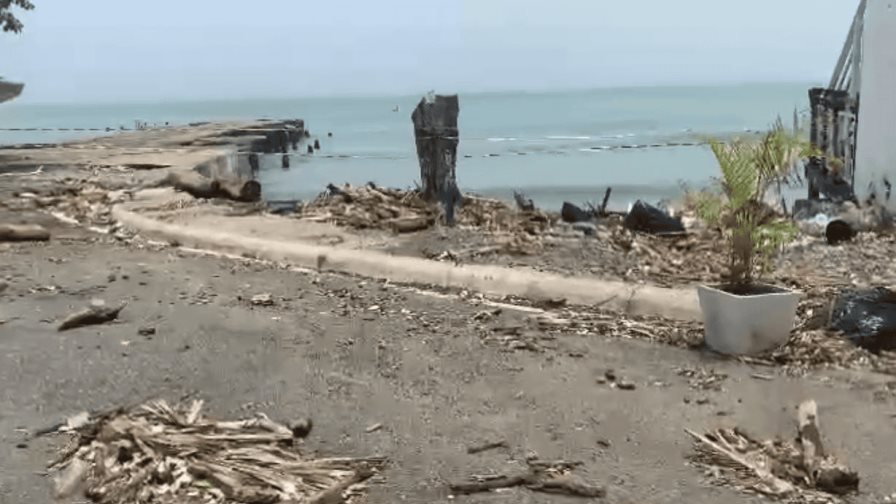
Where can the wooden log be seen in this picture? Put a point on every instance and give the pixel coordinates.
(523, 203)
(238, 190)
(192, 183)
(411, 224)
(602, 211)
(23, 232)
(825, 472)
(199, 186)
(436, 135)
(92, 315)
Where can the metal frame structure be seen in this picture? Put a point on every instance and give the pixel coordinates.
(835, 109)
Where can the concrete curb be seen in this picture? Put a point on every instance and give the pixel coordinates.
(674, 303)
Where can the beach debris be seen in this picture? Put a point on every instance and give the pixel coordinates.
(158, 453)
(646, 218)
(523, 203)
(867, 318)
(586, 228)
(199, 186)
(802, 470)
(624, 384)
(23, 232)
(374, 207)
(838, 231)
(146, 331)
(601, 211)
(486, 446)
(700, 378)
(554, 477)
(95, 314)
(573, 214)
(265, 299)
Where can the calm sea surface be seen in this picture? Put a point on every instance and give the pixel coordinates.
(553, 146)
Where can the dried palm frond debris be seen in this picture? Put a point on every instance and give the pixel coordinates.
(162, 454)
(801, 471)
(405, 211)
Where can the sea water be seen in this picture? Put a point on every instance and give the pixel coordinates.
(553, 146)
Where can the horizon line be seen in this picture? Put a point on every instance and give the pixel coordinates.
(364, 95)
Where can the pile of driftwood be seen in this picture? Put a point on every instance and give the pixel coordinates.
(157, 453)
(373, 207)
(801, 471)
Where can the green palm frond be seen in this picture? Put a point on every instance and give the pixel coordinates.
(748, 169)
(740, 179)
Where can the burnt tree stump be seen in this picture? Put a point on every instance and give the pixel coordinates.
(436, 134)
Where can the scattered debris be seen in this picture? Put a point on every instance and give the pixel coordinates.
(572, 214)
(523, 203)
(490, 445)
(199, 186)
(867, 317)
(625, 385)
(646, 218)
(776, 468)
(838, 231)
(374, 207)
(156, 453)
(23, 232)
(547, 477)
(96, 313)
(146, 331)
(265, 299)
(703, 379)
(373, 428)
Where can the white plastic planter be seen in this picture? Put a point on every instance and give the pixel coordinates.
(747, 324)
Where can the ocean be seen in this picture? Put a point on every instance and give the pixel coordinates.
(553, 146)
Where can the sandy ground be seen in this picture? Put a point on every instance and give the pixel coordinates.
(351, 354)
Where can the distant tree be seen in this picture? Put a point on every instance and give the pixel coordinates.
(7, 20)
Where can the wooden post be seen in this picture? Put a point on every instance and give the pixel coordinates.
(435, 131)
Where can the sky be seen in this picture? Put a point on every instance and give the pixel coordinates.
(136, 50)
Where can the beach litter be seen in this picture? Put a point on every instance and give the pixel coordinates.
(801, 471)
(163, 454)
(553, 477)
(95, 314)
(405, 211)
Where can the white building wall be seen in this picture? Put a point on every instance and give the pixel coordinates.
(876, 137)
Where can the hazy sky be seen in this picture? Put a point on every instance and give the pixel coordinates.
(103, 50)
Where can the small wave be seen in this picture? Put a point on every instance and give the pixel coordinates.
(502, 139)
(567, 137)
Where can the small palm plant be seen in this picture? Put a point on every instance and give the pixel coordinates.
(753, 230)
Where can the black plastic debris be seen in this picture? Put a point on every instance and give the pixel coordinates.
(647, 218)
(572, 213)
(839, 231)
(867, 318)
